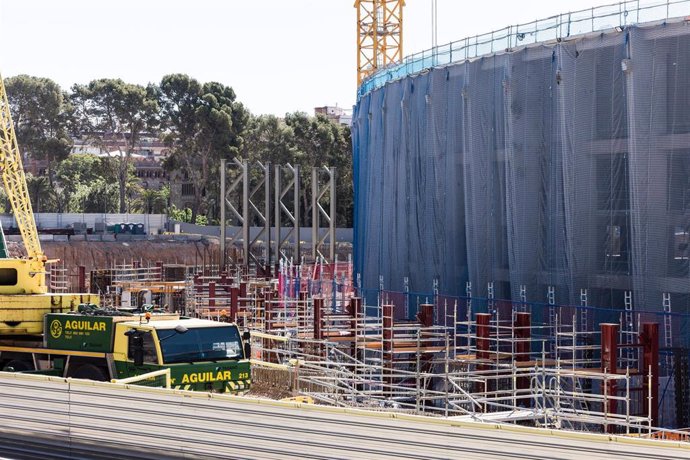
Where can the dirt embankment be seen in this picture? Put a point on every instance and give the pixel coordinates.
(105, 254)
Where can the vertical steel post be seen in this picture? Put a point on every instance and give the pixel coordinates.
(267, 218)
(331, 228)
(222, 262)
(277, 197)
(298, 221)
(245, 212)
(315, 217)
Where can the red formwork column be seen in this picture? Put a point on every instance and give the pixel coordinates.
(234, 302)
(302, 310)
(609, 364)
(426, 314)
(197, 289)
(318, 317)
(243, 296)
(268, 319)
(354, 310)
(211, 297)
(426, 319)
(388, 335)
(483, 346)
(523, 321)
(483, 337)
(81, 271)
(649, 338)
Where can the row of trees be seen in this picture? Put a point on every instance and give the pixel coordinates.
(200, 123)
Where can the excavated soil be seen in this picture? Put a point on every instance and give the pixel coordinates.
(105, 254)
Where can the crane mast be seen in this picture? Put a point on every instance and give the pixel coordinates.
(379, 35)
(30, 272)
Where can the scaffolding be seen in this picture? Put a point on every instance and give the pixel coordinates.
(497, 366)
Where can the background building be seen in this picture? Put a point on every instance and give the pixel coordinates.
(336, 114)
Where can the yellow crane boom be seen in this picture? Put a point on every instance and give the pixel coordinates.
(30, 272)
(24, 297)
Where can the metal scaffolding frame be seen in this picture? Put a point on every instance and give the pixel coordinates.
(496, 366)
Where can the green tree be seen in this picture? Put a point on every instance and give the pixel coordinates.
(320, 142)
(41, 193)
(269, 139)
(82, 174)
(114, 115)
(151, 201)
(97, 196)
(309, 142)
(203, 123)
(41, 113)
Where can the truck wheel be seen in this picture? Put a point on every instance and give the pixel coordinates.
(17, 365)
(89, 372)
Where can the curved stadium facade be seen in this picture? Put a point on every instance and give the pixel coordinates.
(539, 172)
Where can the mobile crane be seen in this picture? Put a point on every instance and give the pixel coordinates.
(68, 335)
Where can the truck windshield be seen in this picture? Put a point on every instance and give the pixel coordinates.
(200, 344)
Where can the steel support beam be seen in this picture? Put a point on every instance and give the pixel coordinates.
(282, 209)
(318, 192)
(244, 209)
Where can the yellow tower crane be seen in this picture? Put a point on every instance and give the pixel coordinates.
(379, 35)
(24, 299)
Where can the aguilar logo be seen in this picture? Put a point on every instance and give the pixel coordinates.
(55, 329)
(85, 325)
(206, 377)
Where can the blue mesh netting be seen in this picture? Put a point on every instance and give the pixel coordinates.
(561, 164)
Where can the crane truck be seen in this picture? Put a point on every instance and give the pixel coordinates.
(68, 335)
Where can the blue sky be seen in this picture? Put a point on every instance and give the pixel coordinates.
(279, 55)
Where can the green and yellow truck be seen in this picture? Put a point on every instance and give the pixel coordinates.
(202, 355)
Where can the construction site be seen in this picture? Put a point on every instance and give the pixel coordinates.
(518, 265)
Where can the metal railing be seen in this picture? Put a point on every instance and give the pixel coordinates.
(146, 379)
(616, 15)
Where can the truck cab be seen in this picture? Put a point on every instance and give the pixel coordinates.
(202, 355)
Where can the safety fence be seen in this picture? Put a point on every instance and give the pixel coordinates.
(616, 15)
(89, 419)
